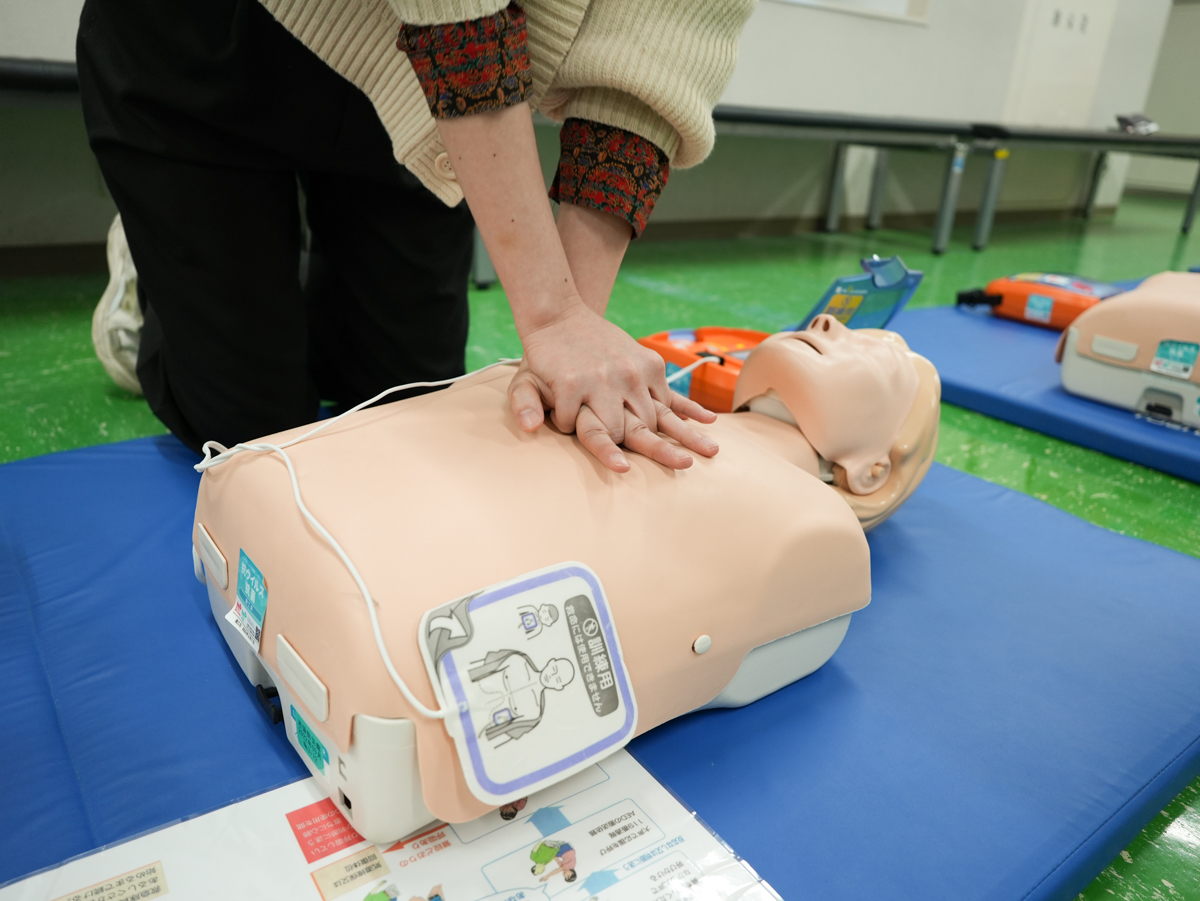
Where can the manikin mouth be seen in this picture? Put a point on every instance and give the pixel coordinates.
(809, 340)
(814, 335)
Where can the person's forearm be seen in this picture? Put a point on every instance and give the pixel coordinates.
(495, 160)
(595, 243)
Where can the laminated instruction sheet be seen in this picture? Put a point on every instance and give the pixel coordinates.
(609, 832)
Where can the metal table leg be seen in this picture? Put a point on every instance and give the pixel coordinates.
(1089, 206)
(879, 176)
(837, 189)
(950, 189)
(483, 273)
(991, 193)
(1190, 214)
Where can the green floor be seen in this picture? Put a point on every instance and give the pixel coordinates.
(54, 395)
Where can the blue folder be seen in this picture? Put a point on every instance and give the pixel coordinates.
(1020, 698)
(1006, 369)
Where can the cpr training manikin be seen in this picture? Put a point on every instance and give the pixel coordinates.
(456, 613)
(1139, 350)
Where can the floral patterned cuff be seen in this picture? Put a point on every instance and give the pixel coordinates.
(609, 169)
(471, 67)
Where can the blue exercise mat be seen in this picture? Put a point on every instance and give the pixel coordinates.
(123, 705)
(1006, 369)
(1020, 698)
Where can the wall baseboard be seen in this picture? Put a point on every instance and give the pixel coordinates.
(1161, 193)
(718, 229)
(53, 259)
(90, 259)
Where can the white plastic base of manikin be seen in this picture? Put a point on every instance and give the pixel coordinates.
(1140, 390)
(377, 783)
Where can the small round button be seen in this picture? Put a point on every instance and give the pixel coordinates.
(442, 163)
(701, 644)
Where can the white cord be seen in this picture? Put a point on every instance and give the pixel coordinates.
(676, 376)
(225, 454)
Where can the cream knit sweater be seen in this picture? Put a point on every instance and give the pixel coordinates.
(652, 67)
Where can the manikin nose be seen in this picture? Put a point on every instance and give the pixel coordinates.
(826, 325)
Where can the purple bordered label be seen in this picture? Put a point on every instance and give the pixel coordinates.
(531, 674)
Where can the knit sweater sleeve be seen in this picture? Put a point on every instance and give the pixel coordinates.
(475, 66)
(442, 12)
(481, 65)
(610, 170)
(655, 68)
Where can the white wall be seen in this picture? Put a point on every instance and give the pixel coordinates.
(1060, 54)
(974, 60)
(39, 29)
(955, 66)
(977, 60)
(1174, 101)
(1140, 29)
(51, 190)
(962, 62)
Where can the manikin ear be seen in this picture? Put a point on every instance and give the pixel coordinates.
(910, 456)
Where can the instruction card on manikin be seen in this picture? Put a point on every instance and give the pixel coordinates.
(608, 833)
(531, 676)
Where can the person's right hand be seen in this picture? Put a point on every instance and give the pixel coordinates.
(574, 358)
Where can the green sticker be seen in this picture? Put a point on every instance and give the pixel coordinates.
(1175, 358)
(252, 589)
(1038, 308)
(310, 743)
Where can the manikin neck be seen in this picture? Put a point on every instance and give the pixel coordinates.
(769, 422)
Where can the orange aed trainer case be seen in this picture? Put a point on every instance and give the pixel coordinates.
(1046, 299)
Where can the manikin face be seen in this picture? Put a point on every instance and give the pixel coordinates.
(849, 391)
(557, 673)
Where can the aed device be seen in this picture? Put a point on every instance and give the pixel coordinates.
(869, 300)
(1048, 299)
(1140, 350)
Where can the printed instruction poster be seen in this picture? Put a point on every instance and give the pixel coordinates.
(609, 833)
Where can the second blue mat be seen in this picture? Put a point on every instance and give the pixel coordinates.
(1007, 370)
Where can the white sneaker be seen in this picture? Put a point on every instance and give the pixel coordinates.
(117, 322)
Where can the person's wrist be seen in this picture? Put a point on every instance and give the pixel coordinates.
(540, 314)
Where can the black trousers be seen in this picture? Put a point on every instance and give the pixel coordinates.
(219, 135)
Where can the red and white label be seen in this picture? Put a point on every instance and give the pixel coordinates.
(321, 830)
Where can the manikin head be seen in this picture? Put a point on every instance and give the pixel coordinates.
(862, 399)
(557, 672)
(547, 614)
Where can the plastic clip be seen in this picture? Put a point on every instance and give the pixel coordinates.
(273, 713)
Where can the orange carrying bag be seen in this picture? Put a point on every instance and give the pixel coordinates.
(1040, 298)
(710, 386)
(869, 299)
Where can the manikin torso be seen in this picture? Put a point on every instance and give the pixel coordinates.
(439, 496)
